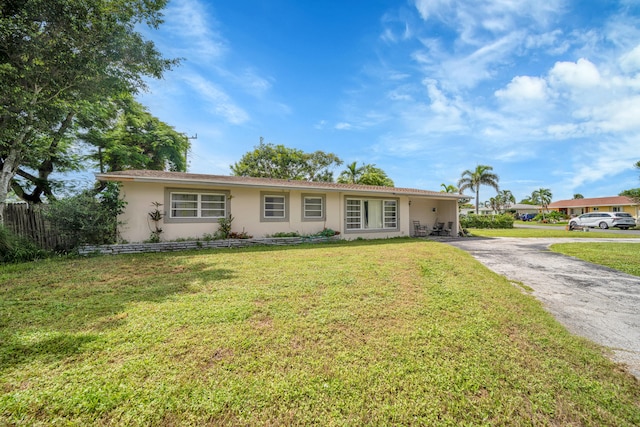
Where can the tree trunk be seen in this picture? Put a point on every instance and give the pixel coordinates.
(9, 169)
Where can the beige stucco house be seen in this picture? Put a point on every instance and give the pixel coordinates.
(192, 204)
(596, 204)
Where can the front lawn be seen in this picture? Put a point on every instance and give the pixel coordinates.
(620, 256)
(397, 332)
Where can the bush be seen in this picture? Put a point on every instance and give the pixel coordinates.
(285, 234)
(486, 221)
(87, 218)
(553, 216)
(18, 249)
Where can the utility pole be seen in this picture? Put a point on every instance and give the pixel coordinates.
(186, 152)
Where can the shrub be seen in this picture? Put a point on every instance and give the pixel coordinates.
(286, 234)
(553, 216)
(87, 218)
(18, 249)
(486, 221)
(224, 230)
(327, 232)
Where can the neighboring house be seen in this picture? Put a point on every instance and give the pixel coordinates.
(519, 208)
(596, 204)
(192, 204)
(523, 208)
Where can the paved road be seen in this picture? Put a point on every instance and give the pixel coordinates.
(595, 302)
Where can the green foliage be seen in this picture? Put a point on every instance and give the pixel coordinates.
(15, 249)
(364, 175)
(633, 193)
(286, 234)
(224, 228)
(87, 218)
(124, 135)
(487, 221)
(156, 216)
(280, 162)
(59, 57)
(553, 216)
(327, 232)
(542, 197)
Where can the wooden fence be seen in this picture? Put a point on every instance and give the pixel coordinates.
(28, 221)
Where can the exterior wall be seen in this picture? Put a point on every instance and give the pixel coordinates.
(632, 210)
(244, 204)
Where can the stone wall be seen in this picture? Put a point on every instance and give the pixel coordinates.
(133, 248)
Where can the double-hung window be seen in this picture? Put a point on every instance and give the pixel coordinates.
(371, 214)
(195, 205)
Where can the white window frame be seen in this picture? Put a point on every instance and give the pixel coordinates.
(308, 207)
(618, 209)
(200, 205)
(357, 212)
(264, 207)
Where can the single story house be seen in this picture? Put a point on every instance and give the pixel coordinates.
(192, 204)
(596, 204)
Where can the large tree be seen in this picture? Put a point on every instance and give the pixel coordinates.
(473, 179)
(277, 161)
(134, 139)
(57, 56)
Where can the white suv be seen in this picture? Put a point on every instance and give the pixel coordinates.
(604, 220)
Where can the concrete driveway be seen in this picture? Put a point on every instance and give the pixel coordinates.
(595, 302)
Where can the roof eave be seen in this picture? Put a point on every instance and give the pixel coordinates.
(365, 190)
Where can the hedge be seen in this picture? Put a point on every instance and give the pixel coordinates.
(486, 221)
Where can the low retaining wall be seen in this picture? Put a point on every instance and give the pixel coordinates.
(136, 248)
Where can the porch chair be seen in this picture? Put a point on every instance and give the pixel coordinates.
(419, 230)
(448, 228)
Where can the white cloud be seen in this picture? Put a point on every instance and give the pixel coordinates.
(524, 89)
(578, 75)
(219, 102)
(344, 126)
(630, 61)
(190, 20)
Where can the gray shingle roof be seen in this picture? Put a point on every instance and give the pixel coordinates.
(244, 181)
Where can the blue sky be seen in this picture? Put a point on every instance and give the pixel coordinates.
(546, 92)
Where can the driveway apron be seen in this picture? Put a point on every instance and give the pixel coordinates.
(592, 301)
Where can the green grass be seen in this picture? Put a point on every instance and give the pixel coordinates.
(547, 233)
(620, 256)
(398, 332)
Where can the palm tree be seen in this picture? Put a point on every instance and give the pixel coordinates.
(366, 174)
(505, 199)
(472, 180)
(351, 174)
(542, 196)
(448, 188)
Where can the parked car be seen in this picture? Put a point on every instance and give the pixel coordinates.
(604, 220)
